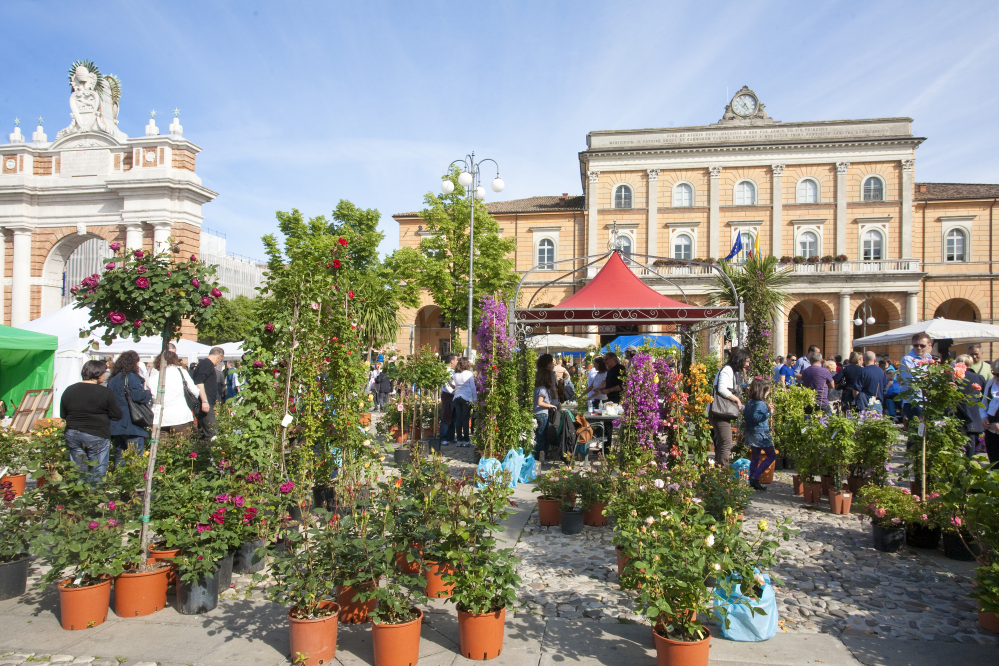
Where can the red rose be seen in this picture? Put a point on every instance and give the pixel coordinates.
(269, 328)
(350, 294)
(336, 263)
(138, 254)
(142, 282)
(342, 241)
(195, 283)
(141, 269)
(116, 317)
(194, 257)
(258, 364)
(206, 301)
(109, 266)
(216, 293)
(137, 323)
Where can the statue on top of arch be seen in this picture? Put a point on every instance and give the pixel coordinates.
(94, 101)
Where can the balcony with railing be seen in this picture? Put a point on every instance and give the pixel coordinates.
(831, 267)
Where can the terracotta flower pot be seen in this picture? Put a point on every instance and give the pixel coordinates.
(799, 488)
(481, 636)
(840, 502)
(812, 492)
(397, 644)
(855, 483)
(594, 515)
(137, 594)
(40, 481)
(17, 483)
(681, 653)
(622, 560)
(365, 418)
(313, 642)
(826, 484)
(767, 475)
(404, 565)
(353, 612)
(166, 554)
(436, 587)
(83, 607)
(548, 512)
(989, 621)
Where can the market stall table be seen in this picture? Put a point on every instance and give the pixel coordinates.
(607, 420)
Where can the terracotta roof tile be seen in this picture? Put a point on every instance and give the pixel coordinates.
(555, 204)
(955, 191)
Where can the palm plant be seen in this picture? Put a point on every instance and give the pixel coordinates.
(378, 314)
(760, 282)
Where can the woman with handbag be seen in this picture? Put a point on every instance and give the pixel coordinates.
(545, 406)
(726, 405)
(180, 394)
(134, 401)
(464, 397)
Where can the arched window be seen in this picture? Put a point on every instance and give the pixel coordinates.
(808, 191)
(808, 244)
(745, 194)
(874, 189)
(622, 196)
(624, 244)
(683, 246)
(748, 240)
(872, 246)
(683, 195)
(956, 244)
(546, 255)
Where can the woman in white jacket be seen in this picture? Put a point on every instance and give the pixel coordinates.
(177, 416)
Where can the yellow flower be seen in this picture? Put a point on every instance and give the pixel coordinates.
(762, 525)
(145, 454)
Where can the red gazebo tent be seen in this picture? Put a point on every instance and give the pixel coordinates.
(616, 295)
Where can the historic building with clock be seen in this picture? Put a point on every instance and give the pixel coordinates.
(836, 199)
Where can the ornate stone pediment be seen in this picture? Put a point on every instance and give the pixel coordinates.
(85, 140)
(745, 108)
(94, 102)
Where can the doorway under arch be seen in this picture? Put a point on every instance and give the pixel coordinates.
(73, 258)
(958, 309)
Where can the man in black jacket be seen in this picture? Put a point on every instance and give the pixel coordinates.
(969, 412)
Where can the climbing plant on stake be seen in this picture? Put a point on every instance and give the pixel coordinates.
(142, 293)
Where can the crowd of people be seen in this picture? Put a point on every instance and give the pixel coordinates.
(110, 408)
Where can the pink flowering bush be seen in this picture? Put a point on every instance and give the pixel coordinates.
(888, 506)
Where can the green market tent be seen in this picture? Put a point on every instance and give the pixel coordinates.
(27, 361)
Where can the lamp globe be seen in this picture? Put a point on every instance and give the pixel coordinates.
(498, 184)
(447, 187)
(465, 179)
(480, 193)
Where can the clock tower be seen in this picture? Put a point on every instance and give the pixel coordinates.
(745, 108)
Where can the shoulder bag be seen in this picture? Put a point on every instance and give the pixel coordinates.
(140, 415)
(193, 399)
(721, 407)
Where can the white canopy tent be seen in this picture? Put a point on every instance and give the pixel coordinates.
(149, 346)
(65, 323)
(555, 342)
(233, 351)
(961, 332)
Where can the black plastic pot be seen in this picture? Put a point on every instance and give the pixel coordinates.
(955, 549)
(779, 463)
(919, 536)
(788, 463)
(14, 577)
(245, 559)
(225, 572)
(888, 539)
(401, 456)
(431, 444)
(198, 596)
(324, 497)
(572, 521)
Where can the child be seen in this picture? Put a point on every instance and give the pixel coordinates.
(761, 445)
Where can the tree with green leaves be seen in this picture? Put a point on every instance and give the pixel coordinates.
(444, 250)
(760, 283)
(232, 321)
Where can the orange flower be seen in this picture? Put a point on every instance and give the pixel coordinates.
(398, 482)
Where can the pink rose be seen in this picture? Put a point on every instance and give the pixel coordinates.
(194, 257)
(258, 364)
(141, 269)
(116, 317)
(924, 517)
(287, 487)
(112, 523)
(955, 521)
(195, 283)
(94, 525)
(109, 266)
(254, 477)
(204, 528)
(142, 282)
(194, 454)
(976, 387)
(216, 293)
(111, 505)
(206, 301)
(115, 246)
(222, 498)
(138, 254)
(269, 328)
(959, 370)
(138, 323)
(880, 513)
(239, 501)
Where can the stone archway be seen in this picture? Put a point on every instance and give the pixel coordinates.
(809, 323)
(72, 258)
(959, 309)
(429, 331)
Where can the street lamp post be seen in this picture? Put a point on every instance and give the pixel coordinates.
(470, 179)
(864, 321)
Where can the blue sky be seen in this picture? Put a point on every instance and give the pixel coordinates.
(303, 103)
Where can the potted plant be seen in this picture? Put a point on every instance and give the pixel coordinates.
(836, 451)
(720, 489)
(923, 530)
(303, 581)
(841, 258)
(889, 508)
(570, 516)
(552, 486)
(809, 459)
(13, 458)
(874, 437)
(798, 259)
(18, 525)
(484, 576)
(595, 489)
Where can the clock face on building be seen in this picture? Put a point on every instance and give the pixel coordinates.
(744, 104)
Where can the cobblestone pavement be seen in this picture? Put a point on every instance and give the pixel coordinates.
(47, 659)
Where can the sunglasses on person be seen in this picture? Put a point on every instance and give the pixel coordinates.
(920, 345)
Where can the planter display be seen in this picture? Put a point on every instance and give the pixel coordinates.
(840, 502)
(812, 492)
(14, 577)
(888, 539)
(406, 566)
(989, 621)
(17, 483)
(397, 644)
(198, 596)
(548, 511)
(245, 560)
(83, 607)
(594, 515)
(436, 587)
(353, 612)
(225, 572)
(481, 636)
(797, 486)
(919, 536)
(137, 594)
(572, 521)
(826, 484)
(313, 642)
(956, 549)
(681, 653)
(401, 456)
(160, 552)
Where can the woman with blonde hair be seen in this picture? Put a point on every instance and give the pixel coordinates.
(177, 414)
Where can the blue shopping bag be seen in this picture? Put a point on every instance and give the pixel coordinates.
(512, 463)
(487, 470)
(528, 472)
(744, 624)
(740, 465)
